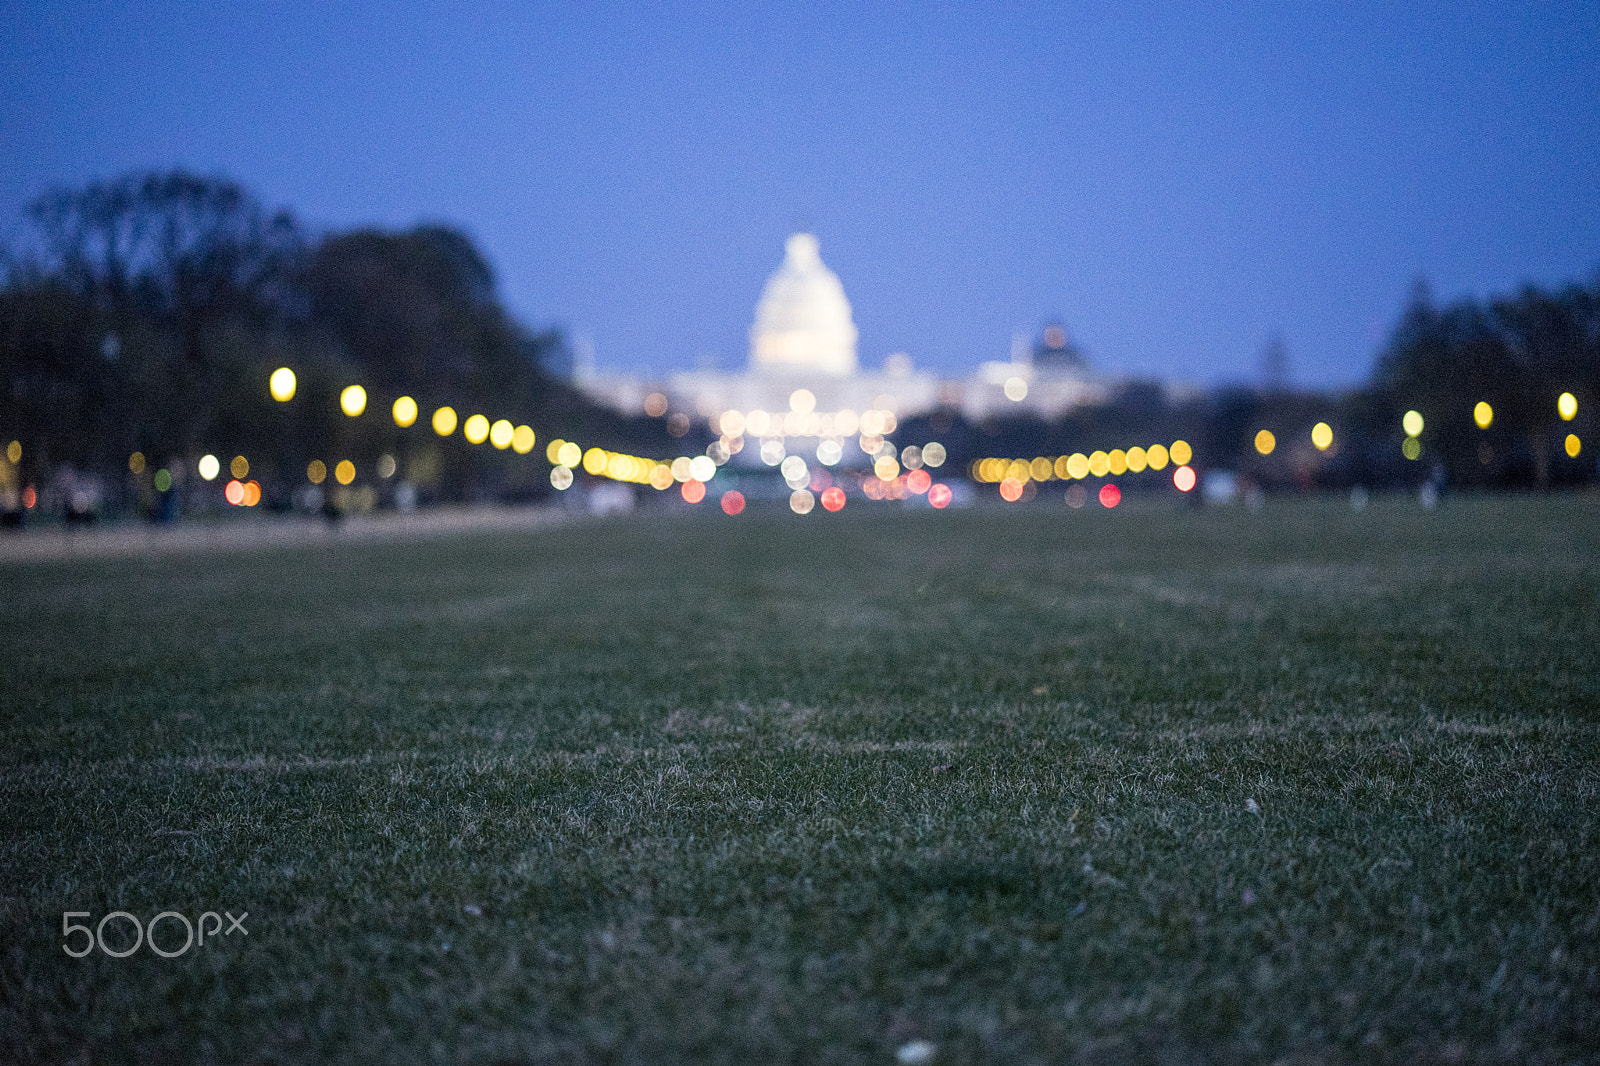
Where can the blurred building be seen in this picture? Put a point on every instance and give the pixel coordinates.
(803, 361)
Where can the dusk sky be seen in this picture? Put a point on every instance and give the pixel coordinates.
(1173, 182)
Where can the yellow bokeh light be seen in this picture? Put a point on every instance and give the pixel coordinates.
(1156, 456)
(1137, 459)
(136, 462)
(1322, 436)
(345, 472)
(281, 384)
(1117, 462)
(475, 429)
(1042, 469)
(14, 451)
(1180, 452)
(316, 471)
(500, 434)
(209, 467)
(661, 476)
(552, 451)
(1062, 468)
(802, 401)
(1266, 442)
(444, 421)
(570, 455)
(239, 467)
(1567, 406)
(1078, 465)
(405, 411)
(1574, 445)
(522, 440)
(1020, 469)
(1099, 464)
(594, 460)
(886, 468)
(353, 400)
(1412, 423)
(1412, 448)
(1483, 415)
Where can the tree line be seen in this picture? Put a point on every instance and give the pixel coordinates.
(145, 314)
(1516, 353)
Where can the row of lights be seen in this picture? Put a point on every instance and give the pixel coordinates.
(476, 428)
(1483, 417)
(209, 467)
(1078, 466)
(566, 456)
(1266, 441)
(802, 419)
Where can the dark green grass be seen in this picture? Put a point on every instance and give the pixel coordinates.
(1033, 785)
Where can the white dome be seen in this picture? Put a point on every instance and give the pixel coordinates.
(803, 319)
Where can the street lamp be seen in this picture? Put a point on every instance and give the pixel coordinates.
(282, 383)
(353, 400)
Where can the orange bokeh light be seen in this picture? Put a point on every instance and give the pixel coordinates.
(732, 500)
(939, 495)
(1183, 477)
(1011, 490)
(234, 492)
(694, 491)
(1110, 495)
(252, 493)
(833, 499)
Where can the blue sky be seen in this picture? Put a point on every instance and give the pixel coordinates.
(1174, 182)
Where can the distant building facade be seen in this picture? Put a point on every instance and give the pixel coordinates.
(804, 379)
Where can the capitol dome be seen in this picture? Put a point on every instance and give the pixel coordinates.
(803, 319)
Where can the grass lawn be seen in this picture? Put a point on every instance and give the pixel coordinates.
(1030, 785)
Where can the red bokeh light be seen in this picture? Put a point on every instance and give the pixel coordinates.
(833, 499)
(732, 501)
(918, 481)
(694, 491)
(939, 495)
(1011, 490)
(1183, 477)
(29, 497)
(233, 492)
(1110, 495)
